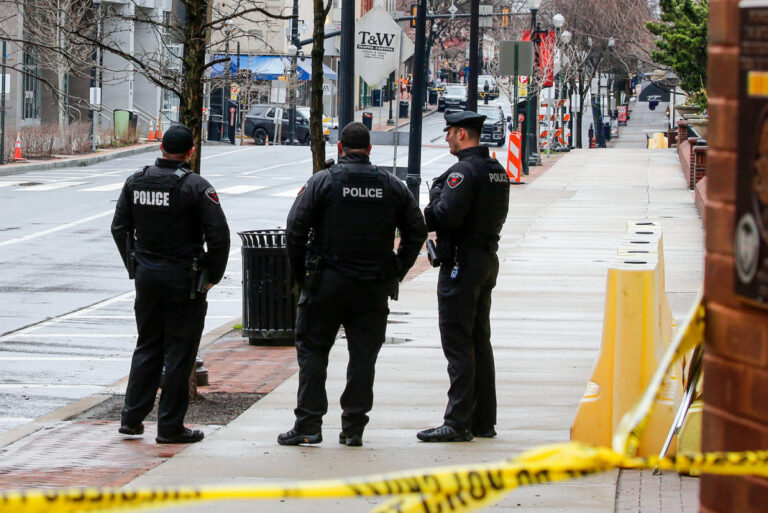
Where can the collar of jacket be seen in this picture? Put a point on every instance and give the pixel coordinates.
(170, 164)
(355, 158)
(481, 151)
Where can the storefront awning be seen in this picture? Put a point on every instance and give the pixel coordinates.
(268, 67)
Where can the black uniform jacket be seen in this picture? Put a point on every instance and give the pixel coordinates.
(363, 243)
(176, 225)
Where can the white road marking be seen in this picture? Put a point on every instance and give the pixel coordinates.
(241, 189)
(227, 153)
(105, 188)
(443, 155)
(12, 386)
(15, 419)
(54, 230)
(50, 186)
(237, 300)
(7, 184)
(284, 164)
(64, 358)
(72, 335)
(290, 193)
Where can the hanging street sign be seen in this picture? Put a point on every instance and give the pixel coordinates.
(377, 45)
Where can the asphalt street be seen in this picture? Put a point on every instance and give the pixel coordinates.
(67, 328)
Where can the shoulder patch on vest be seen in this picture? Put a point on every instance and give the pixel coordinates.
(210, 192)
(301, 191)
(455, 179)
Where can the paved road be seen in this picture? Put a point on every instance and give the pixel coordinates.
(66, 306)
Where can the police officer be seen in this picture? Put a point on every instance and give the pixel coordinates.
(467, 208)
(352, 210)
(164, 216)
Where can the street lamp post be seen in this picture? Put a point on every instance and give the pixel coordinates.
(293, 49)
(558, 20)
(565, 38)
(533, 99)
(391, 120)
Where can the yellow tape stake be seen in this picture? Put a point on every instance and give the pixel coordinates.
(633, 424)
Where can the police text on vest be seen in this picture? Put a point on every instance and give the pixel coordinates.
(498, 177)
(362, 192)
(151, 198)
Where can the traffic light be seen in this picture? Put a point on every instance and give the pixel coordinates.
(505, 17)
(414, 12)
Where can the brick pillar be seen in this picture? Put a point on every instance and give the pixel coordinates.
(736, 361)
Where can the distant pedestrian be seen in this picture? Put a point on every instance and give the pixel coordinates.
(590, 135)
(164, 216)
(467, 208)
(352, 210)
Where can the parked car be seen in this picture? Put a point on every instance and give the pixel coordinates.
(493, 87)
(260, 124)
(453, 99)
(327, 124)
(495, 125)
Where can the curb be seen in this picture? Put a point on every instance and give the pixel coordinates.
(73, 409)
(13, 169)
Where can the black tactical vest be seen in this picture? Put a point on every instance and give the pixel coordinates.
(165, 226)
(491, 204)
(359, 223)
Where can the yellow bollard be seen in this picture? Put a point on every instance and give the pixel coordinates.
(637, 328)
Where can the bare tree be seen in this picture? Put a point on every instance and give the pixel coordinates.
(321, 9)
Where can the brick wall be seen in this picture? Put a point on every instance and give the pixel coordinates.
(736, 361)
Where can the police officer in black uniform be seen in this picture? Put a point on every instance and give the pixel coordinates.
(164, 216)
(348, 215)
(467, 208)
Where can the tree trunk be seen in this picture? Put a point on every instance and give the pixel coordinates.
(191, 104)
(317, 139)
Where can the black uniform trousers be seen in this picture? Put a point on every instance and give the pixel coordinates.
(361, 307)
(464, 306)
(170, 325)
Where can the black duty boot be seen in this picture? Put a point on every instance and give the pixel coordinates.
(188, 436)
(444, 434)
(351, 440)
(132, 430)
(480, 432)
(293, 437)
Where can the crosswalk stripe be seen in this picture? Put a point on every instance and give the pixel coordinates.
(240, 189)
(50, 186)
(290, 193)
(7, 184)
(105, 188)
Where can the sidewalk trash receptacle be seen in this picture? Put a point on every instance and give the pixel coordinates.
(403, 109)
(376, 98)
(214, 127)
(368, 120)
(269, 295)
(432, 96)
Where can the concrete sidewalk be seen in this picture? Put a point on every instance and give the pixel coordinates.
(561, 232)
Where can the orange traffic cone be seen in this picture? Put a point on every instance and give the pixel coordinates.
(17, 148)
(158, 133)
(151, 134)
(493, 154)
(266, 141)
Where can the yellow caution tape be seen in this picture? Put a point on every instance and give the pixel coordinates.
(633, 424)
(457, 489)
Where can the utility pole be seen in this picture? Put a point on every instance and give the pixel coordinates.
(347, 65)
(474, 50)
(2, 110)
(294, 62)
(413, 179)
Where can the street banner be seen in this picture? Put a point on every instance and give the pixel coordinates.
(545, 69)
(377, 45)
(623, 114)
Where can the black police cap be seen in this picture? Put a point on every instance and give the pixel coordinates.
(465, 118)
(178, 140)
(355, 136)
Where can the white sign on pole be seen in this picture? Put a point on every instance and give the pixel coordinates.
(377, 44)
(95, 96)
(327, 89)
(487, 20)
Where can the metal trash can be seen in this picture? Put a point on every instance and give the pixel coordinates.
(404, 109)
(376, 98)
(432, 95)
(368, 120)
(269, 295)
(214, 127)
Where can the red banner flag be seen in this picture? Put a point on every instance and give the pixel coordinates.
(545, 64)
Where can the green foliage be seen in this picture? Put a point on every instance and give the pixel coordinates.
(683, 41)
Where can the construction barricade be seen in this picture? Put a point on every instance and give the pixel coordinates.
(637, 328)
(514, 157)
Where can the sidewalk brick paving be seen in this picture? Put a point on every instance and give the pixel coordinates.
(639, 491)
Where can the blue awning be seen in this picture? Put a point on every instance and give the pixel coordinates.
(268, 67)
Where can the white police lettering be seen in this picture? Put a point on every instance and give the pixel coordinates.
(362, 192)
(498, 177)
(151, 198)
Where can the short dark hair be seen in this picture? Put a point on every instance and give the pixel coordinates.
(355, 136)
(472, 131)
